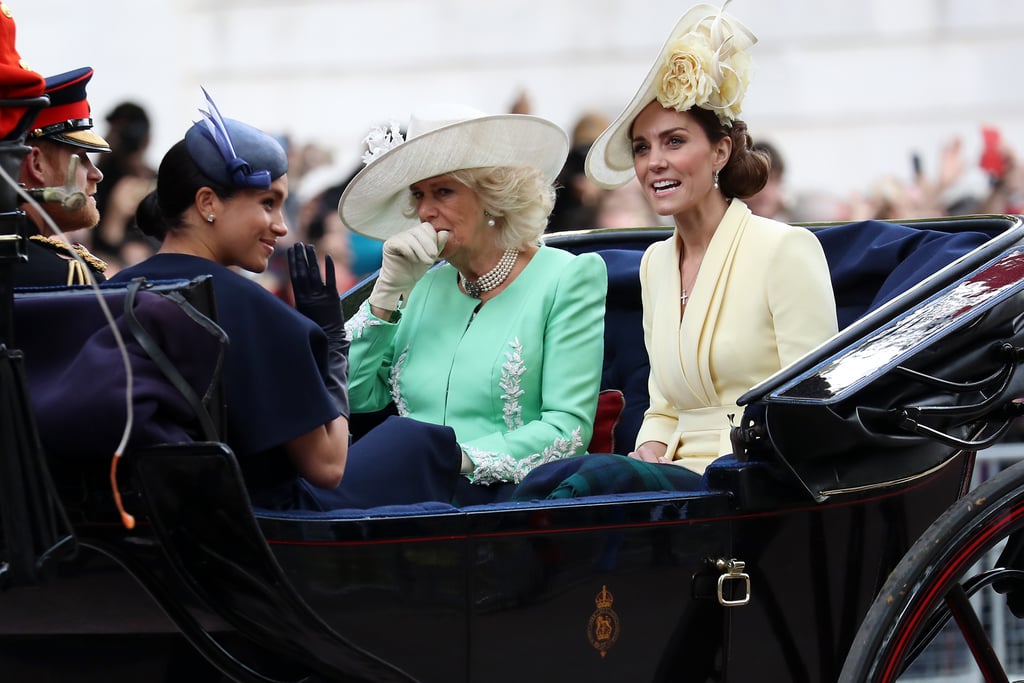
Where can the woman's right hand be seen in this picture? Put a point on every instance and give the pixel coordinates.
(651, 451)
(407, 256)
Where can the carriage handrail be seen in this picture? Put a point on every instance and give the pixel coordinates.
(910, 423)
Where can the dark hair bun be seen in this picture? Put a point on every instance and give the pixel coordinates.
(150, 218)
(747, 171)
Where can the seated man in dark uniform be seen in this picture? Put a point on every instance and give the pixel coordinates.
(59, 142)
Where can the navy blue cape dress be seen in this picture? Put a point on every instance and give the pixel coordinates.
(273, 375)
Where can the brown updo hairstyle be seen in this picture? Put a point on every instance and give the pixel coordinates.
(746, 172)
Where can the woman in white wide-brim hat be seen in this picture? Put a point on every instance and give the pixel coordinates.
(731, 297)
(493, 359)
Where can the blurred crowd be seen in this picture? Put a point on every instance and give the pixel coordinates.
(317, 179)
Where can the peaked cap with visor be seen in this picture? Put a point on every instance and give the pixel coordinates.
(68, 118)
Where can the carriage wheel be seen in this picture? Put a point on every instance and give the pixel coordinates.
(974, 550)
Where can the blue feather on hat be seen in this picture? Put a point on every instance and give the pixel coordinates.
(233, 153)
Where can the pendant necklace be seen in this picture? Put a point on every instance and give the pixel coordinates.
(685, 295)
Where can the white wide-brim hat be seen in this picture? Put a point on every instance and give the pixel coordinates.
(440, 140)
(610, 159)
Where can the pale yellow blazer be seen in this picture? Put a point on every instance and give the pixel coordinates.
(763, 298)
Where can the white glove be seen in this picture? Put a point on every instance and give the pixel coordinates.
(406, 257)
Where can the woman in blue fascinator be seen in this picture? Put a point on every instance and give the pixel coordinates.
(218, 205)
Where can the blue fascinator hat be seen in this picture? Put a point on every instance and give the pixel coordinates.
(234, 154)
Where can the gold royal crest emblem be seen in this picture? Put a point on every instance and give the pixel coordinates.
(603, 627)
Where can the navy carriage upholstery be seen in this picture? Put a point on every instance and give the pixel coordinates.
(625, 370)
(872, 262)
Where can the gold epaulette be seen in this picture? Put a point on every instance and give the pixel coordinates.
(69, 250)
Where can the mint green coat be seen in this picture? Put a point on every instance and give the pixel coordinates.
(518, 382)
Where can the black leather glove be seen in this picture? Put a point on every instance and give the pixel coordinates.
(318, 300)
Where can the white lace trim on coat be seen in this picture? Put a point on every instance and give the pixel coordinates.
(357, 324)
(396, 390)
(491, 467)
(511, 386)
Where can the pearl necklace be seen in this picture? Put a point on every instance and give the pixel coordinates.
(492, 278)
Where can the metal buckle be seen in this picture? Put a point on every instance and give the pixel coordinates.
(733, 571)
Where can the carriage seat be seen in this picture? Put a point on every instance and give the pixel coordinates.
(872, 262)
(77, 377)
(625, 369)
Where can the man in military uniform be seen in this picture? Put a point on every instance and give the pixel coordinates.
(58, 172)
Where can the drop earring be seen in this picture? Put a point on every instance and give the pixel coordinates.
(490, 219)
(716, 179)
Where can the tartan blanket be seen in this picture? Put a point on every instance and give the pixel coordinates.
(598, 474)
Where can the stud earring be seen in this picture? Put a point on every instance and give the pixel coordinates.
(716, 179)
(209, 218)
(490, 219)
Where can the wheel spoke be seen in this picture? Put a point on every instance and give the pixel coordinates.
(938, 619)
(974, 634)
(935, 581)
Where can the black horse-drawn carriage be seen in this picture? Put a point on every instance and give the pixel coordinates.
(835, 543)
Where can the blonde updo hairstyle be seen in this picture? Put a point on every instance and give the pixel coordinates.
(519, 198)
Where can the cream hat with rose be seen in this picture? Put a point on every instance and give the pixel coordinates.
(704, 63)
(442, 139)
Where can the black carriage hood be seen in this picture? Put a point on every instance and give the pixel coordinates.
(924, 377)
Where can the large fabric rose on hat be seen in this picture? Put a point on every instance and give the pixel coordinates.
(684, 79)
(704, 68)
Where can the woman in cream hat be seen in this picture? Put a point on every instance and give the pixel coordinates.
(494, 356)
(731, 297)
